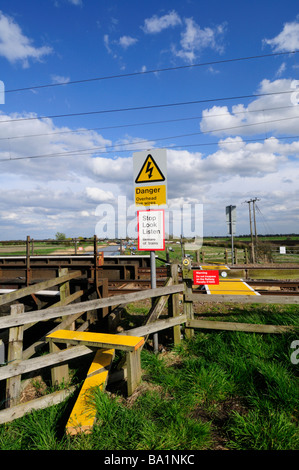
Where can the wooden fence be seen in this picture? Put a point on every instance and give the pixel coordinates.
(21, 362)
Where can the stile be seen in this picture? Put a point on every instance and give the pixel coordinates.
(130, 344)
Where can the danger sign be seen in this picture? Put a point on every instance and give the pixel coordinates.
(205, 277)
(150, 177)
(150, 172)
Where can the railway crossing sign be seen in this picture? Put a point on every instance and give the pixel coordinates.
(150, 177)
(151, 230)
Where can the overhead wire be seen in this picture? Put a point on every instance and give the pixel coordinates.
(136, 124)
(265, 223)
(154, 106)
(96, 149)
(104, 152)
(145, 72)
(146, 107)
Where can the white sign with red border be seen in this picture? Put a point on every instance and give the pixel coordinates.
(151, 230)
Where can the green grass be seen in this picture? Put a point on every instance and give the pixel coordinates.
(218, 390)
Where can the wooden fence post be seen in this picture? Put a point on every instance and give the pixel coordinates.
(59, 374)
(246, 255)
(64, 291)
(174, 305)
(28, 270)
(15, 352)
(187, 275)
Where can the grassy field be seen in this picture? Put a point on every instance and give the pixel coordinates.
(213, 248)
(219, 390)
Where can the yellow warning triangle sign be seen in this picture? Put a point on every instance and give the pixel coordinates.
(150, 172)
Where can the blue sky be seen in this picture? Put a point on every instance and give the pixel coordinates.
(237, 139)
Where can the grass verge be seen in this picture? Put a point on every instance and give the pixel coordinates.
(218, 390)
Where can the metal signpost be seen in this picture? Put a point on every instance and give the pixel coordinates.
(231, 225)
(150, 189)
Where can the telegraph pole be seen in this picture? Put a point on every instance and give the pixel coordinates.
(253, 206)
(253, 201)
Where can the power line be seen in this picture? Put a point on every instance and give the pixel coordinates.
(167, 69)
(136, 124)
(154, 106)
(95, 149)
(104, 152)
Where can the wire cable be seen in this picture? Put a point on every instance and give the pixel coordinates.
(154, 106)
(104, 152)
(95, 149)
(136, 124)
(167, 69)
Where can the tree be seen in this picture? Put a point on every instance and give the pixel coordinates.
(60, 236)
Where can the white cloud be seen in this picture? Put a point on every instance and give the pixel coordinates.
(157, 24)
(60, 79)
(195, 39)
(116, 170)
(14, 46)
(287, 40)
(36, 137)
(99, 195)
(107, 43)
(76, 2)
(274, 112)
(127, 41)
(42, 196)
(281, 70)
(124, 42)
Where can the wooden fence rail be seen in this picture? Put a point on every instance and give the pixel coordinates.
(23, 364)
(243, 299)
(50, 313)
(32, 289)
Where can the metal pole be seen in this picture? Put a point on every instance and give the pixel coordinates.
(231, 232)
(154, 285)
(232, 237)
(251, 234)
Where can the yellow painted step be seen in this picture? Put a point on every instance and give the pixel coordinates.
(98, 340)
(83, 414)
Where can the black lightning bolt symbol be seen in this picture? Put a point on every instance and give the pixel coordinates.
(149, 170)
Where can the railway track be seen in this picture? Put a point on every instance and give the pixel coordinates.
(130, 273)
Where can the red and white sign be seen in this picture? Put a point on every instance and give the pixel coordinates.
(151, 230)
(206, 277)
